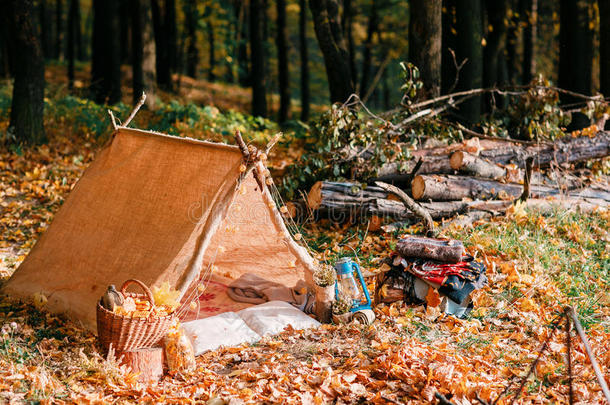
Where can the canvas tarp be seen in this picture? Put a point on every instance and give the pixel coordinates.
(147, 208)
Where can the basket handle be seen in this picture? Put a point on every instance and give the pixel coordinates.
(147, 291)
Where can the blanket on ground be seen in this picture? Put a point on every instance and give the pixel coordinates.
(256, 290)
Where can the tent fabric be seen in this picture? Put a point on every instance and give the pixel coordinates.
(151, 207)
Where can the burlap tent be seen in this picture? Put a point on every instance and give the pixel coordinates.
(160, 208)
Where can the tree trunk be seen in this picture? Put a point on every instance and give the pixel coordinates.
(449, 41)
(325, 19)
(26, 121)
(191, 16)
(576, 48)
(512, 38)
(124, 26)
(78, 35)
(58, 28)
(106, 63)
(604, 47)
(242, 46)
(348, 32)
(282, 61)
(143, 52)
(371, 30)
(494, 50)
(352, 193)
(172, 34)
(5, 43)
(257, 52)
(162, 44)
(303, 51)
(425, 27)
(46, 32)
(71, 47)
(529, 12)
(212, 50)
(469, 27)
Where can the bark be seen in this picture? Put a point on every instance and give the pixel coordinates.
(472, 165)
(282, 59)
(456, 188)
(5, 43)
(512, 39)
(304, 54)
(106, 63)
(26, 120)
(399, 173)
(191, 16)
(46, 35)
(242, 50)
(172, 34)
(371, 31)
(78, 35)
(71, 48)
(143, 52)
(348, 32)
(162, 44)
(330, 39)
(410, 205)
(442, 250)
(576, 48)
(124, 8)
(58, 28)
(469, 26)
(425, 29)
(494, 50)
(529, 12)
(257, 57)
(212, 51)
(352, 193)
(148, 362)
(604, 47)
(449, 40)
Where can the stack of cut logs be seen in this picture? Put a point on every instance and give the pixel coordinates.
(476, 178)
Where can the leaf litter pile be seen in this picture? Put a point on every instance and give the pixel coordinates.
(536, 265)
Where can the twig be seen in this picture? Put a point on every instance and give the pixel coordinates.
(458, 68)
(135, 110)
(272, 142)
(535, 362)
(481, 400)
(527, 177)
(112, 120)
(569, 358)
(472, 133)
(583, 337)
(410, 205)
(416, 168)
(442, 400)
(376, 78)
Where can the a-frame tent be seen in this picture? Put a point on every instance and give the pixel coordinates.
(158, 208)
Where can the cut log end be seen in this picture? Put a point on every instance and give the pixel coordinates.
(457, 160)
(314, 197)
(147, 362)
(418, 187)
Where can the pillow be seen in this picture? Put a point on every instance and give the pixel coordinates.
(226, 329)
(272, 317)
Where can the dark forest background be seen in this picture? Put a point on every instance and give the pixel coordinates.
(295, 54)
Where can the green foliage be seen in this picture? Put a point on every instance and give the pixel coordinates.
(536, 114)
(409, 75)
(335, 149)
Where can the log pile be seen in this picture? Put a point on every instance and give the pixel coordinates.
(477, 178)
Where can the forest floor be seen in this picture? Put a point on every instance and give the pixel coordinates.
(536, 265)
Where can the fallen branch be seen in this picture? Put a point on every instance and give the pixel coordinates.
(410, 205)
(585, 341)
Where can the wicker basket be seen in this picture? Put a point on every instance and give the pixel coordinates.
(125, 333)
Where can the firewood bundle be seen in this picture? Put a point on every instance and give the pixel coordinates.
(473, 177)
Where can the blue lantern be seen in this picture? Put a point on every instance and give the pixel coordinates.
(347, 284)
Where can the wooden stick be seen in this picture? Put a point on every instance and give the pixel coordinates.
(112, 120)
(527, 177)
(135, 110)
(410, 205)
(569, 358)
(583, 337)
